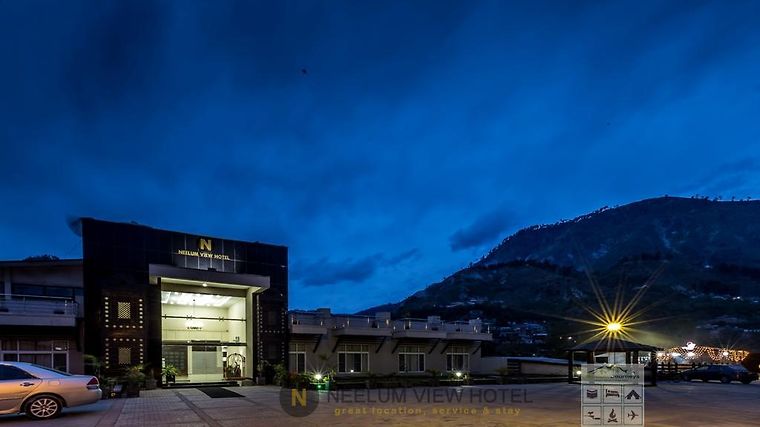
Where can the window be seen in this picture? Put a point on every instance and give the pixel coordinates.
(47, 291)
(29, 345)
(59, 291)
(457, 359)
(297, 357)
(353, 358)
(60, 361)
(125, 356)
(411, 358)
(13, 373)
(32, 290)
(124, 310)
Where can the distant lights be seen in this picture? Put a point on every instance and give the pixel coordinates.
(694, 351)
(614, 326)
(458, 374)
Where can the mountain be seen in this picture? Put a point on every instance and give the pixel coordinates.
(704, 254)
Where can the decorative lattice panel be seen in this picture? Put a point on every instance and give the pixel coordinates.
(120, 312)
(124, 310)
(123, 352)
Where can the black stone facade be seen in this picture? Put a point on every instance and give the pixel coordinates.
(116, 264)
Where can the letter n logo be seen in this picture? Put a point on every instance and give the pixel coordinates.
(204, 244)
(299, 395)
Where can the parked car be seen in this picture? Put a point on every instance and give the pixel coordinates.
(722, 373)
(42, 392)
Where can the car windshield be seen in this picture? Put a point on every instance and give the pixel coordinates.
(51, 370)
(739, 368)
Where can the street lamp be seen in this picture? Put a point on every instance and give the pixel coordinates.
(614, 327)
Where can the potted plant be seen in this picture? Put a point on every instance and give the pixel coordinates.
(170, 372)
(92, 365)
(260, 380)
(281, 377)
(134, 378)
(150, 380)
(108, 385)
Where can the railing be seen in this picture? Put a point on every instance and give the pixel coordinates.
(30, 305)
(466, 327)
(306, 319)
(416, 325)
(397, 325)
(361, 322)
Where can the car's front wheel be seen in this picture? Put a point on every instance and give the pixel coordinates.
(725, 380)
(747, 381)
(43, 407)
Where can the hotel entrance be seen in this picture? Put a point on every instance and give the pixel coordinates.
(204, 334)
(206, 325)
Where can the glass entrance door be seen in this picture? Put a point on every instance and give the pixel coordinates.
(206, 363)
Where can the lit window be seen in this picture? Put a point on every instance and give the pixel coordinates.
(124, 310)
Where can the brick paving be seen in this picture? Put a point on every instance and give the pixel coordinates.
(669, 404)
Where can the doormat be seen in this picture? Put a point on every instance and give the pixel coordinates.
(216, 392)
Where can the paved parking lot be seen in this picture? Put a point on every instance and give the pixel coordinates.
(669, 404)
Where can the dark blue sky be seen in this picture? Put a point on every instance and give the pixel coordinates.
(422, 134)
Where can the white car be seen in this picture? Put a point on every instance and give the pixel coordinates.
(42, 392)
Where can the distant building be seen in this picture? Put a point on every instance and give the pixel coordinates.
(321, 341)
(42, 313)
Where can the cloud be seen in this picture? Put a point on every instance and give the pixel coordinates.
(483, 230)
(325, 271)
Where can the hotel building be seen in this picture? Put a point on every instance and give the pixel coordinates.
(214, 308)
(349, 345)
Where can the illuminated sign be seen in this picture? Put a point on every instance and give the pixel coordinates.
(204, 251)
